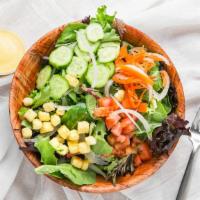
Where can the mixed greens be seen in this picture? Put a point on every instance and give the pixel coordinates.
(100, 105)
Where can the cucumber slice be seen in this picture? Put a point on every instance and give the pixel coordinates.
(111, 68)
(107, 54)
(82, 54)
(43, 77)
(83, 42)
(102, 78)
(77, 67)
(94, 32)
(110, 44)
(61, 56)
(58, 86)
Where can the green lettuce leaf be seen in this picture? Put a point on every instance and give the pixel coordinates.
(69, 33)
(103, 18)
(101, 146)
(74, 115)
(111, 36)
(155, 71)
(22, 111)
(155, 117)
(25, 123)
(77, 176)
(41, 97)
(91, 104)
(47, 152)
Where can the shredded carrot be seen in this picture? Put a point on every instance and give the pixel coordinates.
(142, 107)
(132, 72)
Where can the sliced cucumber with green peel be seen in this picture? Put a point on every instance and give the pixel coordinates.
(94, 32)
(43, 77)
(61, 57)
(103, 74)
(83, 42)
(82, 54)
(58, 86)
(111, 68)
(108, 54)
(77, 67)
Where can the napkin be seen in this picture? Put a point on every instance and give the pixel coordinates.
(173, 23)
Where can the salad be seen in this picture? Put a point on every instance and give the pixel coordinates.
(101, 106)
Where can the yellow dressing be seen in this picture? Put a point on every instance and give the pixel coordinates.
(11, 51)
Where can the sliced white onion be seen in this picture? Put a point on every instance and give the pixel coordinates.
(150, 60)
(139, 70)
(160, 96)
(165, 60)
(107, 88)
(134, 113)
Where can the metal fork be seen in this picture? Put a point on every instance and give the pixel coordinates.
(195, 131)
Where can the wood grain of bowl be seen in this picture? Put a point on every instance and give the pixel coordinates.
(24, 81)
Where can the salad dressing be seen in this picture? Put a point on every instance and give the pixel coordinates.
(12, 50)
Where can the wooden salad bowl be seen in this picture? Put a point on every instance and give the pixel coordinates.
(24, 81)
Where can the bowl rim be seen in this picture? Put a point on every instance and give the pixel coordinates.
(105, 186)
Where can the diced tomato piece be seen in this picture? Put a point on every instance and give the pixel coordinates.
(129, 150)
(125, 122)
(137, 161)
(117, 129)
(118, 152)
(111, 139)
(102, 111)
(120, 145)
(128, 129)
(121, 138)
(144, 152)
(127, 126)
(105, 102)
(111, 120)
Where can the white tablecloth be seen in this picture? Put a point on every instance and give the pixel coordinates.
(175, 24)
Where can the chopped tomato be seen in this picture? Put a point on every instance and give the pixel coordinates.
(111, 139)
(121, 138)
(102, 111)
(129, 150)
(144, 152)
(137, 161)
(125, 122)
(120, 145)
(117, 129)
(105, 102)
(111, 120)
(128, 129)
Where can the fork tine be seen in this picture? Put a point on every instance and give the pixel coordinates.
(196, 121)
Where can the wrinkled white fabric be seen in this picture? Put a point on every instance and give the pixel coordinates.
(174, 24)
